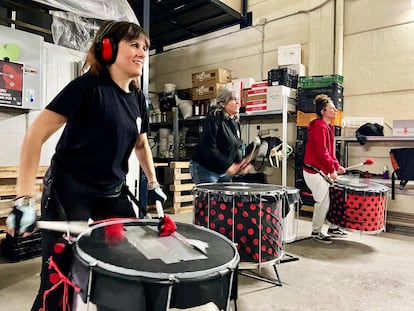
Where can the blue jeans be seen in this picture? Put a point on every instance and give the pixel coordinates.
(202, 175)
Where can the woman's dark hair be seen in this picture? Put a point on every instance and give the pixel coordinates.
(321, 101)
(119, 31)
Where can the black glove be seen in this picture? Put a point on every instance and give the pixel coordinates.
(155, 193)
(23, 216)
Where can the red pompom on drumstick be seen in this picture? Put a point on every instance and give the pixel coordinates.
(368, 161)
(114, 234)
(166, 225)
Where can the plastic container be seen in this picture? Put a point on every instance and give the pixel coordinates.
(169, 87)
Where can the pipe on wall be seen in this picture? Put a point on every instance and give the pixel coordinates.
(339, 37)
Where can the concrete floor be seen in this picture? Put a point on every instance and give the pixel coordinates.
(361, 272)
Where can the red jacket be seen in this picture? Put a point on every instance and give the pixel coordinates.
(320, 147)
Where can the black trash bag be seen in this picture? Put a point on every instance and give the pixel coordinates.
(368, 129)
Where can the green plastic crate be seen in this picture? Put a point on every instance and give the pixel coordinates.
(309, 82)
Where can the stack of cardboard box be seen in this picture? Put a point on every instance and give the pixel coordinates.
(207, 84)
(262, 97)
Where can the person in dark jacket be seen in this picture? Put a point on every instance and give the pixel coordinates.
(218, 156)
(320, 157)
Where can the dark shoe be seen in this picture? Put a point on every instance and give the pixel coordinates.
(320, 237)
(336, 232)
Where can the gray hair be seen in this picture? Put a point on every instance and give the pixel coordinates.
(225, 96)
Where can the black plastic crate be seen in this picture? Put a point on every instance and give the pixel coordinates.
(300, 149)
(18, 248)
(283, 76)
(306, 96)
(302, 133)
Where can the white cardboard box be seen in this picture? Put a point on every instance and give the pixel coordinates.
(274, 91)
(403, 128)
(289, 54)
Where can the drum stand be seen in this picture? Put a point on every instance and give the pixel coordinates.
(257, 275)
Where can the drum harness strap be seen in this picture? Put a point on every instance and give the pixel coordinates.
(59, 261)
(59, 278)
(330, 181)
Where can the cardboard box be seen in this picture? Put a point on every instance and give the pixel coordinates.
(208, 91)
(276, 103)
(403, 128)
(256, 97)
(264, 105)
(239, 85)
(210, 77)
(259, 85)
(275, 91)
(289, 54)
(257, 91)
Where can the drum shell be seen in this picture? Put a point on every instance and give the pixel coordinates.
(359, 209)
(253, 221)
(135, 292)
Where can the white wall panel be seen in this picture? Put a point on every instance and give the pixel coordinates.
(379, 61)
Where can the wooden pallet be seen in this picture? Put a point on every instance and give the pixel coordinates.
(8, 177)
(181, 188)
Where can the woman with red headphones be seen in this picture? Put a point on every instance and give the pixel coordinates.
(105, 118)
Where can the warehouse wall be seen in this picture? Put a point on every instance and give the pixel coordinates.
(377, 59)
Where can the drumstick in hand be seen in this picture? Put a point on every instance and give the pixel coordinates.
(252, 155)
(75, 227)
(368, 161)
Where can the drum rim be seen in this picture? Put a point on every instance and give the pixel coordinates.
(277, 188)
(379, 188)
(107, 268)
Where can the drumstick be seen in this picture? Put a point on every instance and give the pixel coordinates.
(198, 245)
(252, 155)
(368, 161)
(75, 227)
(256, 143)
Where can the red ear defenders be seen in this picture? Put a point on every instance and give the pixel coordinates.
(105, 47)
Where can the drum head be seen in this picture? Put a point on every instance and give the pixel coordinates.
(133, 269)
(143, 253)
(360, 184)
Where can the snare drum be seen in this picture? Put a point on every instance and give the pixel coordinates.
(248, 214)
(146, 272)
(358, 205)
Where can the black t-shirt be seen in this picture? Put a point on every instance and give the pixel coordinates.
(102, 127)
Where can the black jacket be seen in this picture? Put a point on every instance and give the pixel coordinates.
(220, 144)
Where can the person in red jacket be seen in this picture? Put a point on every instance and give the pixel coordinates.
(321, 166)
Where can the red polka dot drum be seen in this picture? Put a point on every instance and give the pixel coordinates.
(248, 214)
(358, 205)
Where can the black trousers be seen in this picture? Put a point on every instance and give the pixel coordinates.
(65, 198)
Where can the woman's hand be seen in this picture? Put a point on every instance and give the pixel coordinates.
(241, 168)
(341, 170)
(333, 176)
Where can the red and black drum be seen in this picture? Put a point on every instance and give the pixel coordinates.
(248, 214)
(141, 271)
(358, 205)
